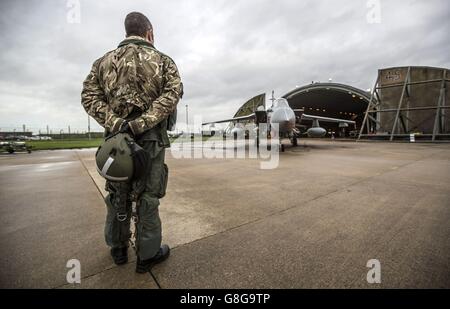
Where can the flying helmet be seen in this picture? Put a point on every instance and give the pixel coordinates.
(120, 159)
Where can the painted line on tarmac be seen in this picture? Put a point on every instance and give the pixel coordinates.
(90, 176)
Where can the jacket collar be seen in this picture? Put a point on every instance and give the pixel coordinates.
(134, 39)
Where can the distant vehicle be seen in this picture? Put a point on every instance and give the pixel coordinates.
(23, 138)
(208, 133)
(172, 134)
(12, 147)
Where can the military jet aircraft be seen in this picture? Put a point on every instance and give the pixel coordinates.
(286, 120)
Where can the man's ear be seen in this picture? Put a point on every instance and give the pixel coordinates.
(149, 36)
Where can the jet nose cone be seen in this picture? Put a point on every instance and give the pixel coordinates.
(280, 116)
(283, 118)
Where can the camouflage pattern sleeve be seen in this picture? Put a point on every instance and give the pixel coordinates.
(94, 102)
(165, 104)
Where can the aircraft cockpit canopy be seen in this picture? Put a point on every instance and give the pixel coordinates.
(281, 103)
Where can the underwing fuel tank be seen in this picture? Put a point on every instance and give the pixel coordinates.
(316, 132)
(237, 131)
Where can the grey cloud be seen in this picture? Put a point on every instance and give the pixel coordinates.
(227, 51)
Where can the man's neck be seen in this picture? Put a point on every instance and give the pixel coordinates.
(136, 37)
(137, 40)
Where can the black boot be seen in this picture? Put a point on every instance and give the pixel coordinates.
(145, 265)
(120, 255)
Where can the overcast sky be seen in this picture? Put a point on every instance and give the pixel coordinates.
(226, 51)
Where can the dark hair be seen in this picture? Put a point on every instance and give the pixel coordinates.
(137, 24)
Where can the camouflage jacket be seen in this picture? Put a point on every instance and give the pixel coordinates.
(133, 80)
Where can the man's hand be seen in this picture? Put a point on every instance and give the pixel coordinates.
(124, 127)
(127, 127)
(121, 126)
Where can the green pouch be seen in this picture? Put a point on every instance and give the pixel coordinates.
(163, 181)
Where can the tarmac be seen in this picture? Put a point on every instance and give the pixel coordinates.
(313, 222)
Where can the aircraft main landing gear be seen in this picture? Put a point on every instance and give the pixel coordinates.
(294, 141)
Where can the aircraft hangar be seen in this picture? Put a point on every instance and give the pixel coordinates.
(405, 101)
(331, 100)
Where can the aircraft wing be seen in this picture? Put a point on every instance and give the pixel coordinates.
(248, 117)
(326, 119)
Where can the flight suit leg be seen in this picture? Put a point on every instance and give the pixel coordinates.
(148, 229)
(118, 205)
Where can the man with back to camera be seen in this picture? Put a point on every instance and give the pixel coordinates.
(135, 89)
